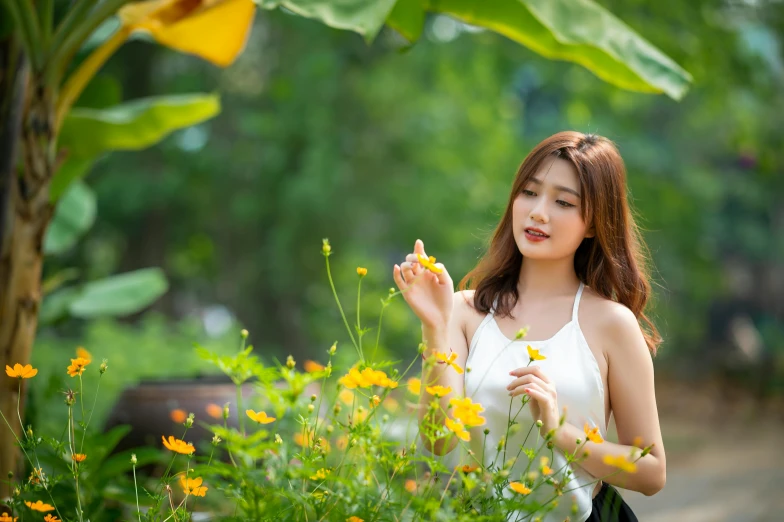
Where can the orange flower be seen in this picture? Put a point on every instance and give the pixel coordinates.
(23, 372)
(467, 412)
(466, 468)
(77, 366)
(438, 391)
(458, 429)
(78, 457)
(534, 354)
(192, 486)
(178, 416)
(414, 385)
(47, 518)
(259, 417)
(84, 354)
(214, 411)
(5, 517)
(546, 469)
(593, 434)
(519, 487)
(313, 366)
(37, 476)
(375, 401)
(620, 462)
(411, 485)
(178, 446)
(39, 506)
(450, 360)
(354, 519)
(306, 440)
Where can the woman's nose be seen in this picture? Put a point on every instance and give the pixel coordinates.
(539, 211)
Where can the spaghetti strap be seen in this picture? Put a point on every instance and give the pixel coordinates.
(577, 302)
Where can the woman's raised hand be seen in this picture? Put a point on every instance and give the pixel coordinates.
(428, 293)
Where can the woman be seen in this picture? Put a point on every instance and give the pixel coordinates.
(567, 260)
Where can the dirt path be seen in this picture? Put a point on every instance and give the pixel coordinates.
(725, 462)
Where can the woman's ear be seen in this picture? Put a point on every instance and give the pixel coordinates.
(590, 232)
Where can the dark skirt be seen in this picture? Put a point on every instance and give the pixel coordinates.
(608, 506)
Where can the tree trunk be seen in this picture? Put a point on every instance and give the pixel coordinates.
(25, 212)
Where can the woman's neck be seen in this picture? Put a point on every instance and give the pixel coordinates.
(547, 278)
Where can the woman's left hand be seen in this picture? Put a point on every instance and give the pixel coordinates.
(531, 380)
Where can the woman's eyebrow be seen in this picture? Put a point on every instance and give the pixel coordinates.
(557, 187)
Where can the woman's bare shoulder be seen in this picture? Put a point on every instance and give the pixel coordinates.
(609, 320)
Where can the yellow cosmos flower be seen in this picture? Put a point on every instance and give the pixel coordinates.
(458, 429)
(450, 360)
(5, 517)
(215, 30)
(320, 474)
(177, 445)
(620, 462)
(37, 476)
(354, 519)
(178, 416)
(43, 507)
(414, 385)
(192, 486)
(260, 417)
(411, 485)
(361, 272)
(438, 391)
(346, 397)
(214, 411)
(546, 469)
(466, 468)
(366, 378)
(467, 412)
(593, 434)
(305, 441)
(47, 518)
(23, 372)
(84, 354)
(519, 487)
(78, 457)
(429, 263)
(77, 366)
(313, 366)
(534, 354)
(375, 401)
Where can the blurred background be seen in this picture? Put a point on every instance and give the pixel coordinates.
(373, 146)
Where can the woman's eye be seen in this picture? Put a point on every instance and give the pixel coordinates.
(564, 204)
(529, 192)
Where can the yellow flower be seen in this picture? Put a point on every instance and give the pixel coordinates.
(450, 360)
(620, 462)
(306, 440)
(466, 468)
(214, 411)
(320, 474)
(192, 486)
(534, 354)
(429, 263)
(414, 385)
(177, 445)
(47, 518)
(5, 517)
(178, 416)
(78, 457)
(77, 366)
(260, 417)
(84, 354)
(519, 487)
(215, 30)
(361, 272)
(313, 366)
(342, 442)
(390, 404)
(593, 434)
(39, 506)
(366, 378)
(375, 401)
(346, 397)
(467, 412)
(23, 372)
(37, 475)
(354, 519)
(458, 429)
(438, 391)
(546, 469)
(411, 485)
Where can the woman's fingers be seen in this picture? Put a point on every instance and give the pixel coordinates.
(518, 386)
(408, 271)
(398, 277)
(530, 370)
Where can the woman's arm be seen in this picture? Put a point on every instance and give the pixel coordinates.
(633, 403)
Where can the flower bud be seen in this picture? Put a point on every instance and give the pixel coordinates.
(326, 249)
(336, 409)
(313, 398)
(244, 333)
(10, 475)
(385, 418)
(311, 408)
(550, 444)
(133, 459)
(422, 347)
(503, 473)
(391, 291)
(361, 272)
(290, 363)
(216, 440)
(30, 431)
(646, 450)
(412, 448)
(189, 420)
(522, 332)
(333, 348)
(104, 366)
(468, 369)
(278, 440)
(17, 491)
(353, 443)
(330, 429)
(579, 441)
(539, 424)
(375, 400)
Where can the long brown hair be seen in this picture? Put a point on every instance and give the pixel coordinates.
(613, 262)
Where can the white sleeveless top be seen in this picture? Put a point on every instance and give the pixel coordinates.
(570, 364)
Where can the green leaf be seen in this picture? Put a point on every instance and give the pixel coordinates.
(74, 215)
(408, 19)
(73, 168)
(579, 31)
(133, 125)
(120, 294)
(56, 305)
(365, 17)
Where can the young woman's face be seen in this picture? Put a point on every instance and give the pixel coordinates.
(546, 216)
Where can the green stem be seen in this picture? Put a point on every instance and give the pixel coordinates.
(359, 327)
(67, 26)
(508, 425)
(47, 21)
(342, 314)
(27, 20)
(95, 400)
(136, 490)
(74, 464)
